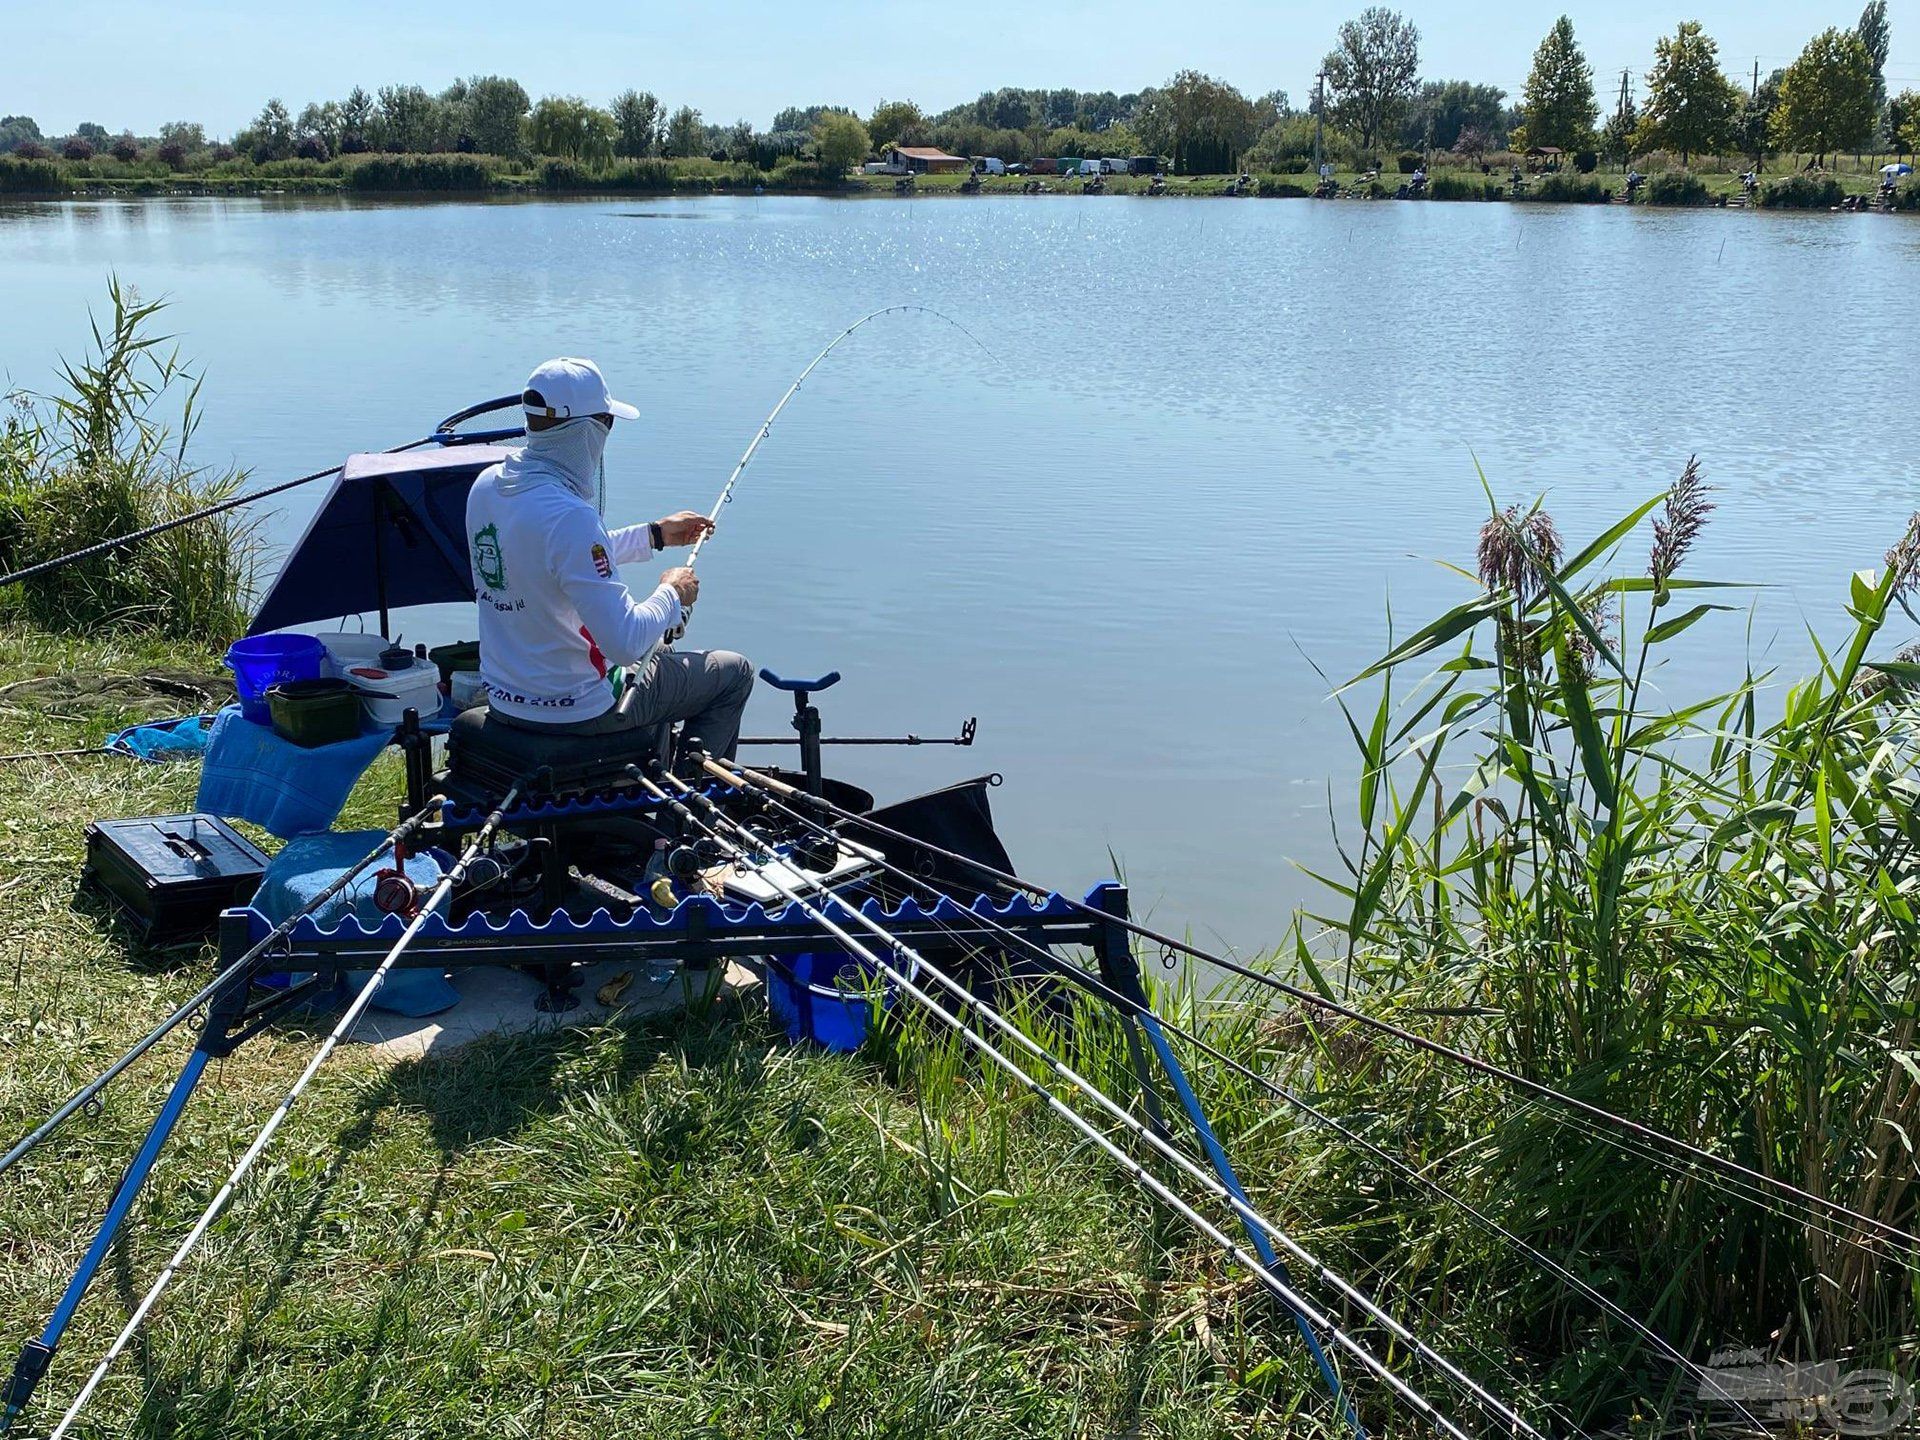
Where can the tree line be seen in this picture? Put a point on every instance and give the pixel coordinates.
(1370, 96)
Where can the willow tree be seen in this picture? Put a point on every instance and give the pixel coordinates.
(1690, 101)
(1558, 97)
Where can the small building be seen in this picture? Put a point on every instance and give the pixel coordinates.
(926, 160)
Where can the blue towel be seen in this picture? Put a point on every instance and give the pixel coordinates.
(159, 740)
(307, 865)
(250, 773)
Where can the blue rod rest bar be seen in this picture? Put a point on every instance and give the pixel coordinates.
(1223, 1167)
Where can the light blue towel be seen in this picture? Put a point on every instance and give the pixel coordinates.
(250, 773)
(307, 865)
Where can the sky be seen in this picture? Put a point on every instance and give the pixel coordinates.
(131, 64)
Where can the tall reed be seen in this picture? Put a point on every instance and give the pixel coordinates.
(97, 459)
(1688, 912)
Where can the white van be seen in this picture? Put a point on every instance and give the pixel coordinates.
(1092, 167)
(987, 165)
(1114, 165)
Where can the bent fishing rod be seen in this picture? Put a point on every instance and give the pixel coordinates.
(87, 1095)
(1867, 1227)
(766, 428)
(349, 1019)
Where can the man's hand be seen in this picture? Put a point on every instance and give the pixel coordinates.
(685, 584)
(684, 527)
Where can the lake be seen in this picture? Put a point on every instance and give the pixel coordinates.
(1211, 444)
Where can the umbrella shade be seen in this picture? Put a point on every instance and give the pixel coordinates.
(1898, 168)
(391, 533)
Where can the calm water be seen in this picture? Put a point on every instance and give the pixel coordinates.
(1212, 442)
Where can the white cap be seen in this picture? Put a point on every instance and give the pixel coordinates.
(566, 389)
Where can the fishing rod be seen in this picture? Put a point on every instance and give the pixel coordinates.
(341, 1030)
(1217, 1184)
(86, 1095)
(1146, 1013)
(1866, 1226)
(766, 428)
(1268, 1274)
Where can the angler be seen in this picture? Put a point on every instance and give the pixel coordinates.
(554, 613)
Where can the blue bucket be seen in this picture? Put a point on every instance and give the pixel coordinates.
(263, 660)
(826, 997)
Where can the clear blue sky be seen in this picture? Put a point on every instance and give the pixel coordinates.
(134, 63)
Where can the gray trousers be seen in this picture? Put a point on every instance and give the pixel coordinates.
(706, 688)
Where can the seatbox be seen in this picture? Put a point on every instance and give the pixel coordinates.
(172, 875)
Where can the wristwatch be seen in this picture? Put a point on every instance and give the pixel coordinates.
(655, 539)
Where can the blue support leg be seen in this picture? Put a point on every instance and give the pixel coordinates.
(1223, 1168)
(37, 1355)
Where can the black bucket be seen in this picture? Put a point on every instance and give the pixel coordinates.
(314, 712)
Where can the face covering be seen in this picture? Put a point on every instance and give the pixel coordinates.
(568, 454)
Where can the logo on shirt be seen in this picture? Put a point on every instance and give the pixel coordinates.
(487, 559)
(601, 563)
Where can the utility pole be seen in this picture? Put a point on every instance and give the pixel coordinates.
(1319, 119)
(1625, 142)
(1755, 92)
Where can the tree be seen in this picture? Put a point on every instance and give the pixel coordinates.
(172, 154)
(271, 134)
(406, 120)
(1445, 108)
(685, 134)
(896, 122)
(569, 128)
(356, 121)
(1202, 124)
(1826, 96)
(77, 149)
(636, 123)
(491, 110)
(321, 123)
(16, 130)
(841, 141)
(93, 132)
(1903, 122)
(805, 117)
(1690, 101)
(1753, 125)
(1616, 140)
(1558, 98)
(1873, 32)
(1371, 70)
(126, 149)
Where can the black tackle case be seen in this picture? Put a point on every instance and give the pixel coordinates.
(172, 875)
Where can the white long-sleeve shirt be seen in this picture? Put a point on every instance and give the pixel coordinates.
(553, 610)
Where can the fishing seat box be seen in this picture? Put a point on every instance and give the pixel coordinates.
(172, 875)
(485, 757)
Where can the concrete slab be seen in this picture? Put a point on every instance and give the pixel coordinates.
(498, 1000)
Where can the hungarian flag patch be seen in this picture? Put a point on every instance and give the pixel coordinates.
(601, 563)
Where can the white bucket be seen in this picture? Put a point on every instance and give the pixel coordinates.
(466, 688)
(348, 648)
(387, 695)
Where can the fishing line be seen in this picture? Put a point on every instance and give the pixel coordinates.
(1096, 983)
(348, 1020)
(1868, 1225)
(1084, 1086)
(86, 1094)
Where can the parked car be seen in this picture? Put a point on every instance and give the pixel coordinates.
(1145, 165)
(1114, 165)
(1092, 167)
(988, 165)
(1019, 167)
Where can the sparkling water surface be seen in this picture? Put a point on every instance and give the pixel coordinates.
(1199, 452)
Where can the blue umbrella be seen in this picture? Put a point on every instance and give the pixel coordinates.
(1901, 168)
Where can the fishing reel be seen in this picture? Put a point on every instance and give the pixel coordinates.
(688, 860)
(395, 894)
